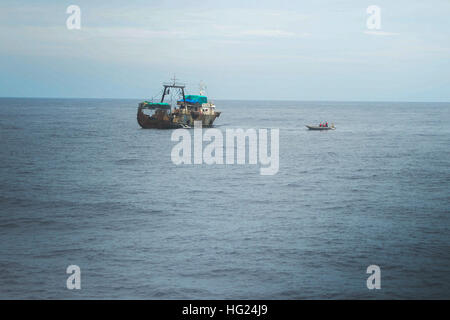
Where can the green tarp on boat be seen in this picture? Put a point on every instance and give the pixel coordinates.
(157, 105)
(191, 98)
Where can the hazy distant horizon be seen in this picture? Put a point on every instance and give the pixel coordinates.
(221, 99)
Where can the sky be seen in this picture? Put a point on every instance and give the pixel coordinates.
(257, 50)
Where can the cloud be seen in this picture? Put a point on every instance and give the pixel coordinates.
(267, 33)
(136, 33)
(381, 33)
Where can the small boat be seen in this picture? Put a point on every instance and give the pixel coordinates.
(332, 127)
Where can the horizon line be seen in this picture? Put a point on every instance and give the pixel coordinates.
(284, 100)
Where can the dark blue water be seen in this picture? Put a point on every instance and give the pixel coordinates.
(81, 183)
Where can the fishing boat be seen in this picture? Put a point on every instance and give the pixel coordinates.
(332, 127)
(189, 108)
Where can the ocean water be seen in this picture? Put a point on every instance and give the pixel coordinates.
(81, 183)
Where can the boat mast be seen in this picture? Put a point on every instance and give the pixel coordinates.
(173, 85)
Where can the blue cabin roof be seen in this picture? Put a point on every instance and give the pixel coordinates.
(191, 98)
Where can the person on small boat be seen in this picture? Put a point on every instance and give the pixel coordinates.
(326, 124)
(320, 124)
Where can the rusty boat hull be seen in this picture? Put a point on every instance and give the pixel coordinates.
(160, 120)
(188, 118)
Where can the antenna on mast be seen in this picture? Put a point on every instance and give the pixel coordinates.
(174, 79)
(202, 88)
